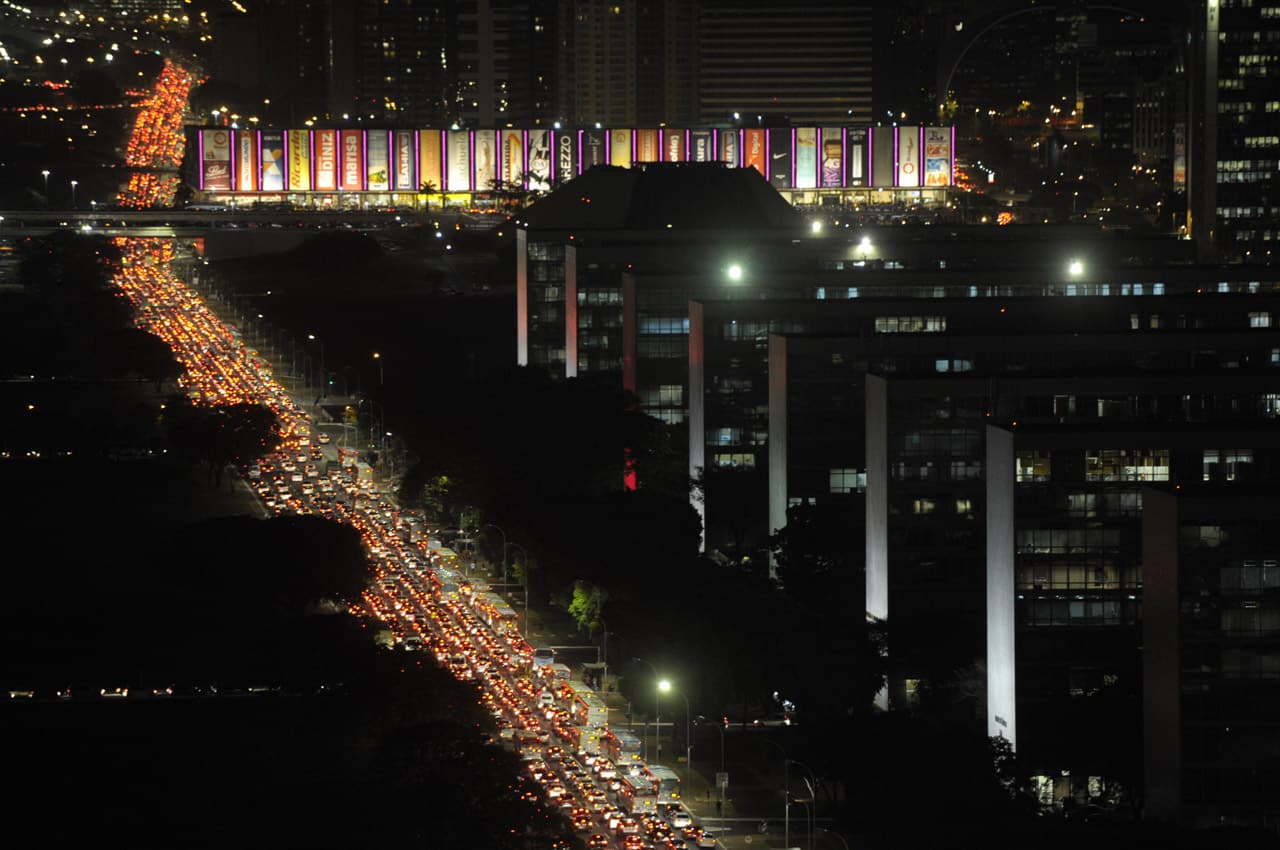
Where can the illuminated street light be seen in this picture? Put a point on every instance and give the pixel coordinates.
(735, 272)
(46, 184)
(815, 227)
(665, 687)
(1076, 268)
(74, 183)
(381, 377)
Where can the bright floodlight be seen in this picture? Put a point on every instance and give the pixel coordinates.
(816, 227)
(1076, 268)
(865, 244)
(735, 272)
(664, 686)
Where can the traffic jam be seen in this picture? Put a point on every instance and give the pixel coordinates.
(594, 774)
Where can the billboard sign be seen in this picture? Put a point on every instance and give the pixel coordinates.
(700, 146)
(673, 146)
(648, 146)
(806, 152)
(272, 161)
(620, 148)
(539, 169)
(430, 161)
(831, 174)
(299, 169)
(246, 160)
(352, 160)
(377, 165)
(458, 160)
(215, 164)
(780, 158)
(512, 155)
(486, 160)
(404, 181)
(882, 156)
(856, 156)
(937, 156)
(755, 152)
(908, 156)
(728, 144)
(593, 148)
(326, 160)
(566, 155)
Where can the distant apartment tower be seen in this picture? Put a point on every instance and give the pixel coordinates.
(628, 63)
(401, 60)
(1235, 132)
(505, 61)
(809, 61)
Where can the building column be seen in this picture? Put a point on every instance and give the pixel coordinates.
(629, 332)
(697, 414)
(876, 544)
(1161, 681)
(1001, 654)
(522, 297)
(777, 439)
(570, 311)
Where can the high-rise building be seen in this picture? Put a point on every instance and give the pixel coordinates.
(1235, 128)
(505, 64)
(808, 61)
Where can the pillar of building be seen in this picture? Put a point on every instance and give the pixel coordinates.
(1001, 655)
(522, 297)
(1161, 682)
(570, 311)
(876, 432)
(777, 438)
(697, 416)
(629, 332)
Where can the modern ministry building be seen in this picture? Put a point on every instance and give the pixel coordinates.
(1054, 450)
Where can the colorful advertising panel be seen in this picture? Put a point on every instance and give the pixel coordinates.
(908, 156)
(754, 151)
(539, 169)
(246, 160)
(856, 156)
(620, 148)
(593, 148)
(272, 161)
(831, 175)
(700, 146)
(728, 142)
(215, 164)
(673, 146)
(404, 181)
(326, 160)
(1179, 154)
(352, 160)
(458, 160)
(512, 155)
(299, 170)
(937, 156)
(566, 155)
(648, 146)
(806, 157)
(377, 164)
(780, 158)
(485, 160)
(882, 156)
(430, 161)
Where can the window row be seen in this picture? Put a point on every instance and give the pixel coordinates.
(1067, 541)
(1076, 576)
(1077, 612)
(910, 324)
(1255, 575)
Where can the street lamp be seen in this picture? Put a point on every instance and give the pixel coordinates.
(836, 834)
(665, 686)
(381, 378)
(73, 193)
(813, 795)
(786, 792)
(525, 553)
(46, 186)
(324, 377)
(657, 713)
(504, 553)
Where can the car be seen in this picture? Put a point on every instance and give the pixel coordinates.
(679, 818)
(706, 839)
(597, 842)
(628, 826)
(255, 471)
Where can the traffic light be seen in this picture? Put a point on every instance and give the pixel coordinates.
(724, 722)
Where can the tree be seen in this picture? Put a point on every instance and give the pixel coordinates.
(131, 351)
(587, 607)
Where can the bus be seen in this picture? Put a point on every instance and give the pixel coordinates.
(636, 794)
(666, 783)
(622, 747)
(589, 710)
(543, 657)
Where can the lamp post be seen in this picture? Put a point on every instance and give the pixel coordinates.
(525, 553)
(665, 686)
(813, 795)
(657, 715)
(45, 173)
(74, 183)
(836, 834)
(786, 792)
(504, 553)
(381, 377)
(324, 377)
